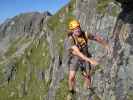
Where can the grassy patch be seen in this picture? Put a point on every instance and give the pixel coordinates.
(103, 5)
(62, 91)
(27, 85)
(60, 27)
(130, 96)
(16, 44)
(39, 53)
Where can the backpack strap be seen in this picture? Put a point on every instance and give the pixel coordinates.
(75, 41)
(85, 36)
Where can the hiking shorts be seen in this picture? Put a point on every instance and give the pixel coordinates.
(75, 63)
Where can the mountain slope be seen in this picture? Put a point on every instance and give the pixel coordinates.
(33, 64)
(25, 60)
(25, 23)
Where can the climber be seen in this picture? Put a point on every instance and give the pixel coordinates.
(79, 57)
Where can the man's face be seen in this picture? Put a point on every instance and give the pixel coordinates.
(77, 31)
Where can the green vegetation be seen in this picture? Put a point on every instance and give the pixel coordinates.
(130, 96)
(27, 85)
(59, 28)
(59, 24)
(38, 53)
(102, 7)
(62, 91)
(1, 73)
(16, 44)
(115, 11)
(36, 58)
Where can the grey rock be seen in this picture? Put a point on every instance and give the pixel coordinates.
(113, 81)
(26, 23)
(9, 71)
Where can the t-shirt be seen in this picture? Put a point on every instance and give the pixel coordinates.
(79, 41)
(70, 41)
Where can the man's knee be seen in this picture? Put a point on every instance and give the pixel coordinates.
(86, 75)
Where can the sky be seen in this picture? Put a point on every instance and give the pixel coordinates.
(10, 8)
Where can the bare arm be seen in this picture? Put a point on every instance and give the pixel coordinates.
(98, 39)
(102, 41)
(75, 51)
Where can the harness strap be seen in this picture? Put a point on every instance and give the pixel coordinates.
(85, 37)
(76, 41)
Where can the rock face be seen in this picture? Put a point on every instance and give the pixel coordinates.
(21, 41)
(123, 46)
(114, 80)
(21, 25)
(40, 72)
(27, 23)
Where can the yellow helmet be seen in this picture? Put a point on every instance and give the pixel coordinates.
(74, 24)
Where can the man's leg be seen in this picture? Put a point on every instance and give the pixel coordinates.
(71, 80)
(71, 83)
(87, 79)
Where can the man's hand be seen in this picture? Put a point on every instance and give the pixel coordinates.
(104, 43)
(75, 51)
(93, 61)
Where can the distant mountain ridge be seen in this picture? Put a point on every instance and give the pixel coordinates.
(25, 23)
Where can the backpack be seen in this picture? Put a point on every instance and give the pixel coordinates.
(81, 41)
